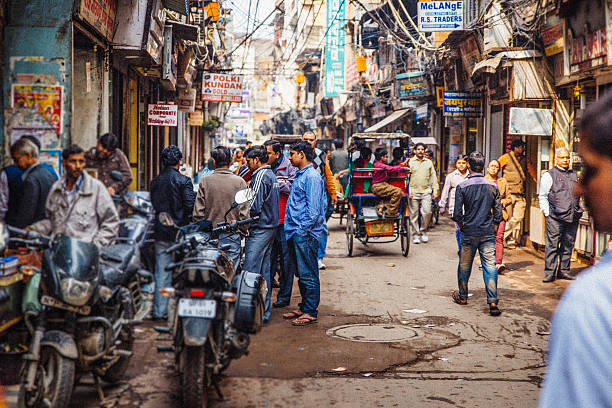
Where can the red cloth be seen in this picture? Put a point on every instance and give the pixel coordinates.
(382, 176)
(282, 207)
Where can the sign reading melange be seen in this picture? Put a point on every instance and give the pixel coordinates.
(462, 105)
(222, 87)
(440, 15)
(162, 115)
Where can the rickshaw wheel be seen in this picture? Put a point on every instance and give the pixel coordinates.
(350, 232)
(405, 235)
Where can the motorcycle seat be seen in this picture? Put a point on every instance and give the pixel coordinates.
(119, 255)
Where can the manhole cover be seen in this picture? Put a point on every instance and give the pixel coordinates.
(373, 333)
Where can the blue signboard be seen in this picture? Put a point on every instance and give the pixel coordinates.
(411, 85)
(334, 47)
(462, 105)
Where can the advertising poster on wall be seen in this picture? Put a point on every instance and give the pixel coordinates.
(334, 47)
(44, 99)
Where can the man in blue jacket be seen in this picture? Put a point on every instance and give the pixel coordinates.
(478, 213)
(265, 205)
(304, 220)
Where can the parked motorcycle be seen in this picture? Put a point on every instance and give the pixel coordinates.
(84, 324)
(215, 310)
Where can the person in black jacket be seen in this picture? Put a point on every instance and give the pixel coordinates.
(257, 252)
(172, 193)
(35, 187)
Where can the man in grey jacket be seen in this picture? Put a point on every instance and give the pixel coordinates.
(215, 196)
(79, 205)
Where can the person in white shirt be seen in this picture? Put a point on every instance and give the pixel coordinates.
(447, 199)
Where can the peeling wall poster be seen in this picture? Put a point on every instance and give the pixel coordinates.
(44, 99)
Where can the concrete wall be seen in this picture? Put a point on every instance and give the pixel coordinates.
(87, 101)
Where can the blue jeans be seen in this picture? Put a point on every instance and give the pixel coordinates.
(286, 275)
(458, 236)
(486, 248)
(163, 279)
(257, 257)
(233, 240)
(323, 241)
(303, 260)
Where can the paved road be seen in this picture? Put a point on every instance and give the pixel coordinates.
(436, 353)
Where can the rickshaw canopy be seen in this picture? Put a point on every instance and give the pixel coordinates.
(380, 136)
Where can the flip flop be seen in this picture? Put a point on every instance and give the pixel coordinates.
(292, 314)
(457, 299)
(304, 320)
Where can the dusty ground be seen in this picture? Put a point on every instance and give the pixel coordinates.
(452, 355)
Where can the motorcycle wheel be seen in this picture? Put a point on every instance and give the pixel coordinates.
(194, 379)
(54, 382)
(115, 372)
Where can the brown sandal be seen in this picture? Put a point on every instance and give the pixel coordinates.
(457, 299)
(293, 314)
(304, 320)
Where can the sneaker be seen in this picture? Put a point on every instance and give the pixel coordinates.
(416, 240)
(424, 238)
(321, 264)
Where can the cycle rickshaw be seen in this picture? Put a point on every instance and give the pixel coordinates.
(363, 221)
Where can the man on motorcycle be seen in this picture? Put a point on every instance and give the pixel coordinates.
(172, 193)
(265, 205)
(79, 205)
(215, 194)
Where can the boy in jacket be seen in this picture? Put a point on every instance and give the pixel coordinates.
(265, 205)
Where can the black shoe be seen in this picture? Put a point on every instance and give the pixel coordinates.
(565, 276)
(284, 303)
(266, 321)
(548, 278)
(275, 284)
(494, 310)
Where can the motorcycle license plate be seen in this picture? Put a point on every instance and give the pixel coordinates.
(50, 301)
(197, 308)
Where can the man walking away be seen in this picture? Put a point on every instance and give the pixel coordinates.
(562, 212)
(216, 193)
(265, 205)
(107, 157)
(579, 362)
(382, 188)
(321, 164)
(35, 187)
(78, 205)
(304, 221)
(515, 166)
(422, 180)
(458, 176)
(285, 174)
(478, 213)
(339, 161)
(172, 193)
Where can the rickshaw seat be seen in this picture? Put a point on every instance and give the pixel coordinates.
(361, 176)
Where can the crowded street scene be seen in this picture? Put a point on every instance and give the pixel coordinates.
(322, 203)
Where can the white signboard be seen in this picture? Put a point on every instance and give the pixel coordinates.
(440, 15)
(162, 115)
(222, 87)
(530, 121)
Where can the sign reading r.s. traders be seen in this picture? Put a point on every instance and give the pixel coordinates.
(462, 105)
(440, 15)
(222, 87)
(162, 115)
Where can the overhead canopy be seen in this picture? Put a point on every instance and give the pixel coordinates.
(398, 114)
(431, 141)
(374, 136)
(490, 65)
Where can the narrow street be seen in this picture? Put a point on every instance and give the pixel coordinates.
(388, 336)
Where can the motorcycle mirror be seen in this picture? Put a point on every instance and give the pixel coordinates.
(243, 196)
(116, 175)
(165, 219)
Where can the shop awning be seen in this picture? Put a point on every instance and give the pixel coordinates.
(431, 141)
(490, 65)
(398, 114)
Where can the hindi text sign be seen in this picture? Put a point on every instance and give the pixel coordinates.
(162, 115)
(462, 105)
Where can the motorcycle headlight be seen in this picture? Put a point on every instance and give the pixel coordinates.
(76, 292)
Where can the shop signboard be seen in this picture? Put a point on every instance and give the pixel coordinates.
(530, 121)
(589, 51)
(552, 36)
(422, 112)
(196, 118)
(162, 115)
(462, 105)
(45, 99)
(440, 96)
(100, 14)
(440, 15)
(222, 87)
(470, 54)
(411, 85)
(334, 47)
